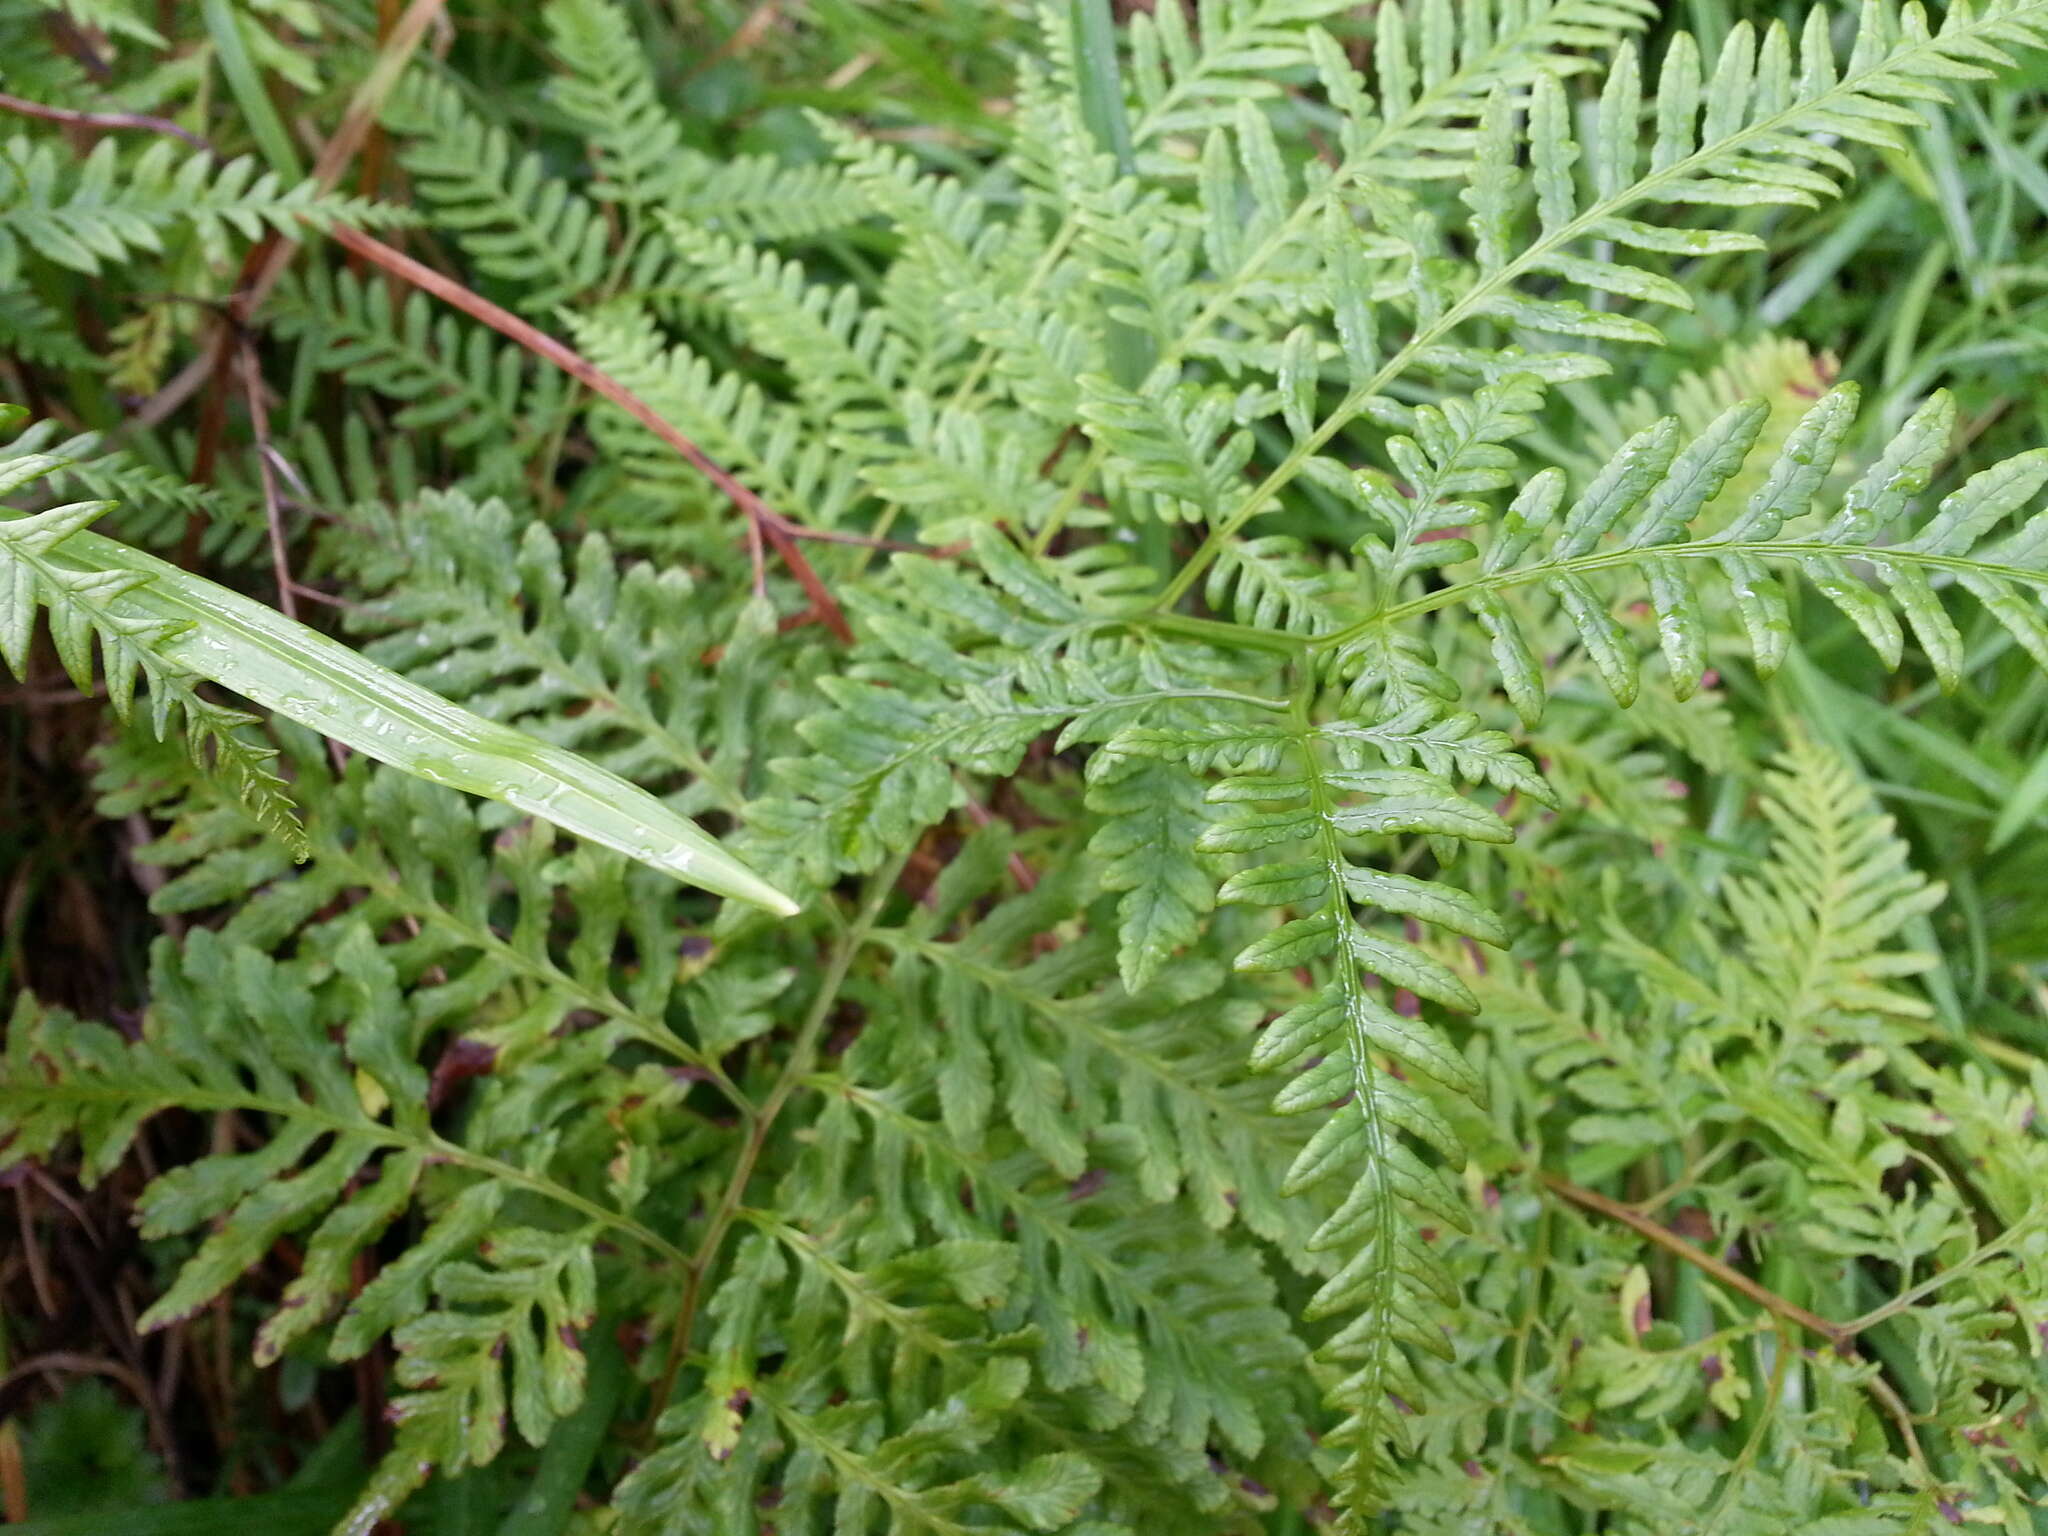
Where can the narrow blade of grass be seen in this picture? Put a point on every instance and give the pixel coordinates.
(304, 676)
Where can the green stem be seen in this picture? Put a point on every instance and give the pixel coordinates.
(1712, 549)
(1383, 1222)
(437, 1148)
(794, 1070)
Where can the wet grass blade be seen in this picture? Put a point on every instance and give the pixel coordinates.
(306, 677)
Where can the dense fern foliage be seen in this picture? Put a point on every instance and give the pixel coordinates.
(1319, 925)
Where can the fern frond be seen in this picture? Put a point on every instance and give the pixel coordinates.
(504, 1346)
(846, 364)
(1184, 1349)
(1179, 78)
(1389, 1278)
(758, 197)
(1817, 920)
(1172, 442)
(475, 899)
(759, 439)
(850, 1464)
(1154, 814)
(957, 475)
(1765, 136)
(152, 504)
(85, 607)
(517, 223)
(1283, 792)
(231, 1030)
(457, 380)
(1166, 1056)
(31, 330)
(962, 263)
(610, 95)
(1649, 492)
(109, 208)
(598, 661)
(1435, 60)
(883, 758)
(1273, 583)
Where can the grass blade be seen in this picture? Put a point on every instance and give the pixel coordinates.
(304, 676)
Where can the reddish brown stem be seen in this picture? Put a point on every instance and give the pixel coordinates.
(778, 530)
(22, 107)
(1656, 1232)
(1021, 872)
(266, 262)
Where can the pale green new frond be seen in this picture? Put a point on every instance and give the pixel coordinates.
(1631, 1094)
(1820, 918)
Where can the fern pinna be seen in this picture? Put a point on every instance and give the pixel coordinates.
(1245, 906)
